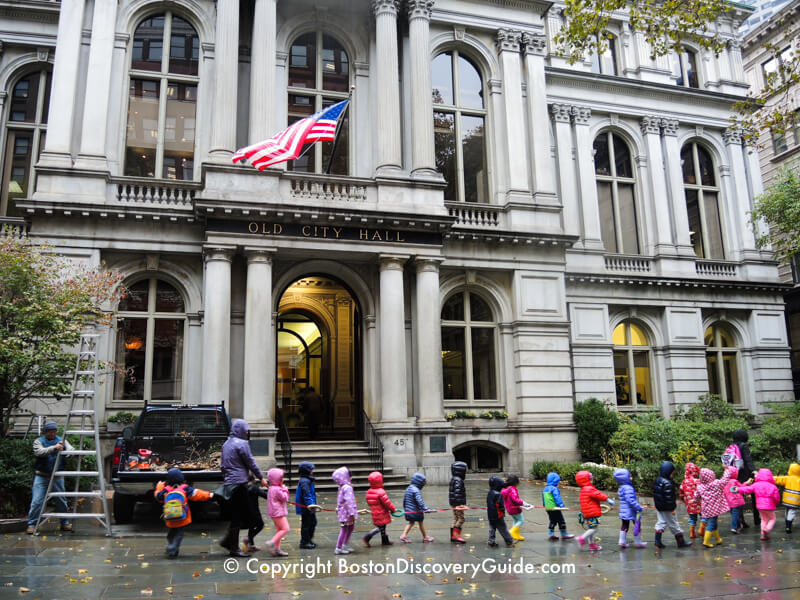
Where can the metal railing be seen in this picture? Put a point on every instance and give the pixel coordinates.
(286, 446)
(375, 446)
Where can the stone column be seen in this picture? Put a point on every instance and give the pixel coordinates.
(259, 345)
(387, 86)
(566, 169)
(217, 324)
(392, 334)
(753, 178)
(740, 203)
(735, 56)
(98, 87)
(423, 162)
(64, 85)
(517, 158)
(677, 199)
(226, 82)
(262, 72)
(544, 187)
(656, 186)
(428, 332)
(584, 146)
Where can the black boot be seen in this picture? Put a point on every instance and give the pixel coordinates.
(788, 527)
(385, 541)
(231, 543)
(682, 543)
(658, 543)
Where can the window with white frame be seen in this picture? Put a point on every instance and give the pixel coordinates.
(616, 194)
(606, 63)
(459, 126)
(774, 70)
(468, 349)
(162, 99)
(319, 76)
(721, 364)
(702, 201)
(632, 378)
(150, 331)
(684, 68)
(26, 125)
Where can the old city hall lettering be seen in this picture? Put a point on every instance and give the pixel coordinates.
(364, 234)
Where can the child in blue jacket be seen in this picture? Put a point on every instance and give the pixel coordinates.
(306, 496)
(629, 509)
(551, 497)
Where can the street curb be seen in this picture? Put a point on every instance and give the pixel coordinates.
(13, 525)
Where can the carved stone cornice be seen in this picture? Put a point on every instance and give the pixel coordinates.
(732, 136)
(670, 126)
(534, 44)
(383, 7)
(581, 114)
(508, 40)
(419, 9)
(650, 125)
(560, 112)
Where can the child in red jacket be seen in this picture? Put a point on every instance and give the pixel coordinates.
(689, 497)
(381, 508)
(590, 498)
(175, 494)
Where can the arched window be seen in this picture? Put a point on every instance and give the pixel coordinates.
(162, 99)
(468, 348)
(150, 332)
(616, 194)
(319, 76)
(606, 63)
(702, 201)
(721, 364)
(26, 125)
(684, 68)
(632, 366)
(459, 126)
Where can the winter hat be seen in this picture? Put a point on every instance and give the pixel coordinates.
(51, 426)
(174, 476)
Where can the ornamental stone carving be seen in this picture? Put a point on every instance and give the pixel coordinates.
(380, 7)
(508, 40)
(670, 126)
(651, 125)
(419, 9)
(560, 112)
(732, 136)
(581, 115)
(534, 43)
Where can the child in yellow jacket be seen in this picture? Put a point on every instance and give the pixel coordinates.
(175, 495)
(791, 493)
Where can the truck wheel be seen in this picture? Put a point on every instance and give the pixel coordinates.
(123, 507)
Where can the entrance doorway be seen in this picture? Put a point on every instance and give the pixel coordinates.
(318, 367)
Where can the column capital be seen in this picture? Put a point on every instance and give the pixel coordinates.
(392, 262)
(670, 126)
(581, 114)
(560, 112)
(724, 171)
(385, 7)
(732, 136)
(508, 40)
(259, 255)
(650, 125)
(218, 252)
(428, 264)
(419, 9)
(734, 44)
(534, 43)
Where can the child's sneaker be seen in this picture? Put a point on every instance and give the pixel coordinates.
(365, 539)
(405, 540)
(348, 548)
(581, 542)
(427, 538)
(280, 552)
(248, 547)
(553, 538)
(387, 543)
(595, 546)
(492, 544)
(511, 543)
(640, 544)
(338, 551)
(567, 536)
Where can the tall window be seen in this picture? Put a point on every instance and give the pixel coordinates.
(616, 193)
(684, 68)
(162, 102)
(319, 76)
(150, 331)
(29, 101)
(632, 366)
(778, 68)
(468, 348)
(721, 359)
(606, 63)
(459, 125)
(702, 201)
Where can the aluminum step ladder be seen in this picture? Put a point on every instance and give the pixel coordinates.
(82, 422)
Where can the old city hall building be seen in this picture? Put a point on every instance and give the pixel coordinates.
(495, 229)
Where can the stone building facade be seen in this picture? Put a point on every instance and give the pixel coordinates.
(496, 230)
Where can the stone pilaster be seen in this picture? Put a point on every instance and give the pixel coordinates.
(570, 211)
(534, 49)
(584, 146)
(423, 162)
(677, 197)
(508, 45)
(656, 186)
(428, 332)
(225, 85)
(392, 335)
(387, 86)
(262, 72)
(740, 204)
(259, 343)
(217, 324)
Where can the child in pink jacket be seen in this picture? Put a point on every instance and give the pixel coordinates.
(767, 499)
(277, 497)
(514, 505)
(735, 501)
(712, 502)
(346, 509)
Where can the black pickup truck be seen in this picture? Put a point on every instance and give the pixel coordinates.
(188, 437)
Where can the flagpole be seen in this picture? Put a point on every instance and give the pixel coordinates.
(338, 130)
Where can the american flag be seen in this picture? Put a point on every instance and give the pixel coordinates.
(288, 144)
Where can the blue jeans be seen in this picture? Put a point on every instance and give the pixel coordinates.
(174, 539)
(711, 524)
(39, 490)
(736, 518)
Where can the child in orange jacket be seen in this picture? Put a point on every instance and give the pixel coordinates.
(175, 494)
(590, 498)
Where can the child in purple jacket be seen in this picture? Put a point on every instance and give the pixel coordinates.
(346, 510)
(629, 510)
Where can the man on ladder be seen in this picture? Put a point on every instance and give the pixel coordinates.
(46, 449)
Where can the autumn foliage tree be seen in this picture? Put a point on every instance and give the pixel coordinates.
(779, 206)
(46, 302)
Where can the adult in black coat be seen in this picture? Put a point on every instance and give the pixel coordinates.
(747, 470)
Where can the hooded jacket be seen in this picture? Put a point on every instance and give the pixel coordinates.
(511, 500)
(237, 459)
(740, 438)
(278, 494)
(378, 500)
(413, 505)
(175, 481)
(791, 486)
(306, 493)
(710, 492)
(458, 490)
(495, 509)
(664, 496)
(689, 489)
(346, 507)
(551, 495)
(590, 497)
(734, 499)
(767, 496)
(628, 503)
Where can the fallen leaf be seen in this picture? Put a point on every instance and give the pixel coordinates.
(439, 592)
(686, 583)
(444, 580)
(297, 593)
(147, 592)
(145, 565)
(140, 556)
(207, 570)
(397, 595)
(196, 574)
(82, 571)
(169, 589)
(473, 586)
(701, 572)
(198, 597)
(346, 592)
(24, 590)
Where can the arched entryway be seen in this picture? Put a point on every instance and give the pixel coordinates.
(318, 366)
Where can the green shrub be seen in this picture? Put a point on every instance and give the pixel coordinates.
(16, 476)
(595, 424)
(541, 468)
(709, 407)
(603, 477)
(779, 434)
(123, 417)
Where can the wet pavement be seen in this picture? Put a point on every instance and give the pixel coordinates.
(131, 565)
